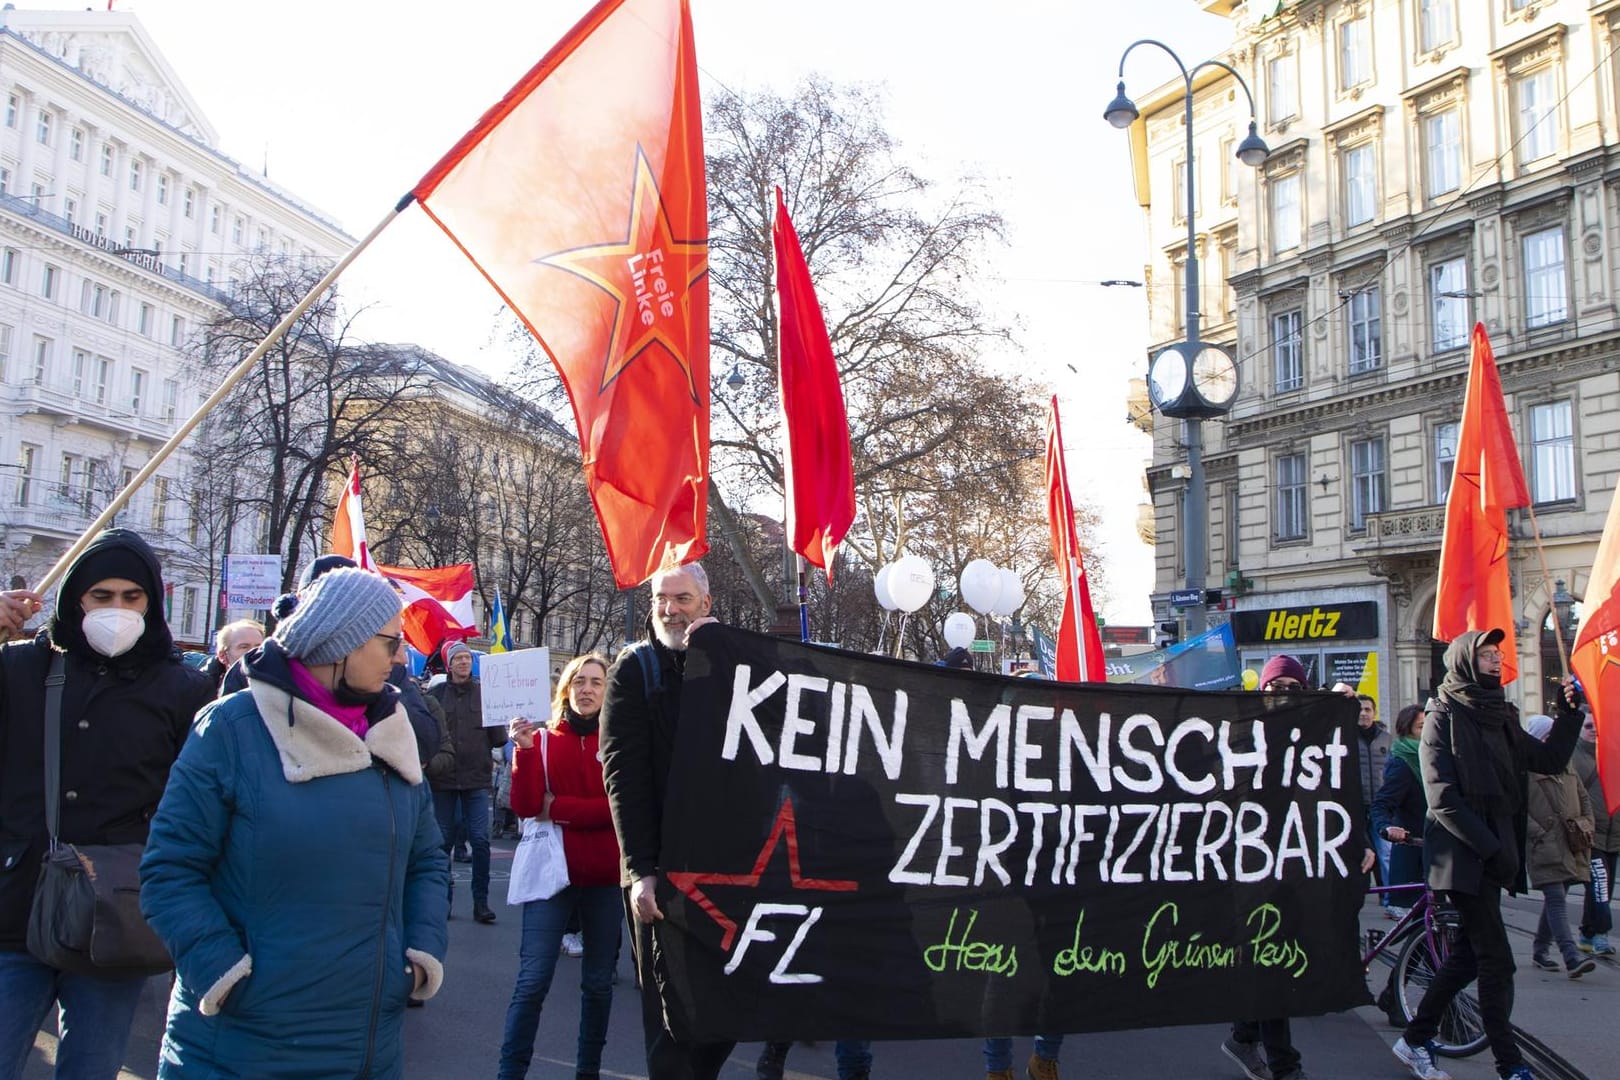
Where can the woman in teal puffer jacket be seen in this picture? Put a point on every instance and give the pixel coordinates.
(295, 869)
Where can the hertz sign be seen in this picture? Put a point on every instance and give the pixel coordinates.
(1320, 622)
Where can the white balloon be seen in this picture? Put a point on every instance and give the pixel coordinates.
(980, 582)
(959, 630)
(1011, 596)
(911, 582)
(880, 586)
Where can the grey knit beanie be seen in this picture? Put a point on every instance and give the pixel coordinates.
(338, 613)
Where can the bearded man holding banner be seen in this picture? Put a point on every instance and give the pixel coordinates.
(1476, 762)
(639, 713)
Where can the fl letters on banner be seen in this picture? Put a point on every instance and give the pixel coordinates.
(866, 848)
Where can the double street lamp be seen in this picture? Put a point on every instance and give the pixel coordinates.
(1192, 380)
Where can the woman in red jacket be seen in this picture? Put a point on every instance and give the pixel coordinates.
(563, 783)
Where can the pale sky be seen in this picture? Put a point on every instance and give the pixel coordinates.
(350, 102)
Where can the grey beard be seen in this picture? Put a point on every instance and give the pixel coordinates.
(662, 634)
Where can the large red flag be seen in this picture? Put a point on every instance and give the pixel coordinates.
(580, 196)
(349, 522)
(1473, 592)
(820, 474)
(1079, 648)
(1596, 658)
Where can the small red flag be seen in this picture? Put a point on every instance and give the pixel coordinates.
(819, 472)
(1596, 658)
(580, 196)
(1473, 591)
(1079, 642)
(349, 522)
(438, 603)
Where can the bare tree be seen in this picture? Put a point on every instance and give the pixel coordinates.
(315, 400)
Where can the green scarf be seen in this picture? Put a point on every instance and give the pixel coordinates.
(1406, 748)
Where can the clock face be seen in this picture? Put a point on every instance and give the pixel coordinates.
(1167, 376)
(1214, 374)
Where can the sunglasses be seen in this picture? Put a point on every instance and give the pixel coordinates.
(1285, 684)
(394, 640)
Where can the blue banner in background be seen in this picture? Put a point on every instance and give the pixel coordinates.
(1206, 662)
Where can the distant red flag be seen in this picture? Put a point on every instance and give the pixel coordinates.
(438, 603)
(1596, 658)
(349, 522)
(1473, 592)
(580, 196)
(1079, 648)
(820, 474)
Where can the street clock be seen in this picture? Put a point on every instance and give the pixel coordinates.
(1193, 380)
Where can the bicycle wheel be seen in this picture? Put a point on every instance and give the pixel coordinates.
(1462, 1031)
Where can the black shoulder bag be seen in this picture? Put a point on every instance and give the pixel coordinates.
(86, 916)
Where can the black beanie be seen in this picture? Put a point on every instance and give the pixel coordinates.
(111, 562)
(324, 565)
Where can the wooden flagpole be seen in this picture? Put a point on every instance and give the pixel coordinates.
(237, 374)
(1546, 576)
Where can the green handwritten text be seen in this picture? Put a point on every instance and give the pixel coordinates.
(1161, 950)
(1267, 950)
(965, 954)
(1078, 959)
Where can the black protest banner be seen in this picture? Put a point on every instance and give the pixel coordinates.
(866, 848)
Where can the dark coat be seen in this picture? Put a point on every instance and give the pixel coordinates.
(1605, 828)
(425, 716)
(124, 721)
(1400, 802)
(1457, 839)
(638, 747)
(470, 766)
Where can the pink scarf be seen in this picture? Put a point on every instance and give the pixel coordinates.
(310, 689)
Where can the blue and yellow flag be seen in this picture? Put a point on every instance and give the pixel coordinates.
(500, 638)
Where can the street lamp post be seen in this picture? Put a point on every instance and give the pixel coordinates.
(1192, 380)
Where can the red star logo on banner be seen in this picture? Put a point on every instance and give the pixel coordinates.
(783, 830)
(647, 274)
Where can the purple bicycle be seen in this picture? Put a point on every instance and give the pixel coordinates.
(1419, 943)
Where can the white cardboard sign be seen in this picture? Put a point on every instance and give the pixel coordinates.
(515, 684)
(252, 582)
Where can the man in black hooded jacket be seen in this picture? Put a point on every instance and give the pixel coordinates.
(127, 705)
(1476, 759)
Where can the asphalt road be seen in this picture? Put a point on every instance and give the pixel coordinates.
(458, 1034)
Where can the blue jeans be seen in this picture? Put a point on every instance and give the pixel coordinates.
(1554, 925)
(998, 1052)
(854, 1057)
(601, 913)
(94, 1015)
(474, 806)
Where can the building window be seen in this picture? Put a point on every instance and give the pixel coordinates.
(76, 144)
(188, 609)
(262, 242)
(1285, 213)
(1365, 311)
(42, 133)
(129, 235)
(1288, 350)
(81, 363)
(184, 266)
(144, 324)
(101, 226)
(103, 373)
(26, 457)
(13, 106)
(1448, 304)
(1546, 299)
(171, 399)
(69, 478)
(134, 176)
(1291, 497)
(1445, 459)
(236, 229)
(42, 360)
(8, 266)
(177, 331)
(106, 159)
(47, 282)
(70, 209)
(1366, 481)
(92, 298)
(1355, 53)
(1535, 103)
(160, 511)
(5, 179)
(1442, 140)
(189, 203)
(112, 306)
(1552, 452)
(5, 354)
(1437, 24)
(213, 220)
(163, 189)
(137, 390)
(1284, 89)
(1360, 183)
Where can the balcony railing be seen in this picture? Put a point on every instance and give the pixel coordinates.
(59, 399)
(30, 208)
(1412, 528)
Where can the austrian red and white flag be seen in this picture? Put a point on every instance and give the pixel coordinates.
(1079, 643)
(438, 603)
(349, 523)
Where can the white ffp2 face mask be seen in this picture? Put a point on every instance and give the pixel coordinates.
(113, 631)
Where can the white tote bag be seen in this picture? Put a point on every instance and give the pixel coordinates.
(539, 868)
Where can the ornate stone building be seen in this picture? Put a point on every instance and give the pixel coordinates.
(121, 227)
(1434, 163)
